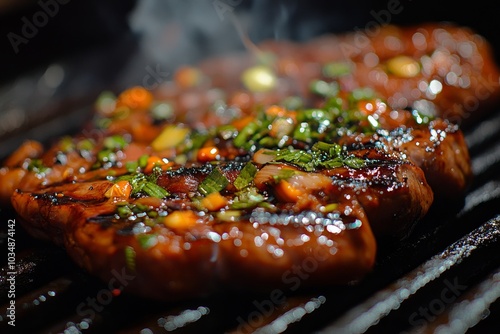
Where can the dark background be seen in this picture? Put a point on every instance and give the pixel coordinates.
(91, 28)
(86, 46)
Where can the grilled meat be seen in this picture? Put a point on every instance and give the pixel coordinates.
(168, 244)
(218, 174)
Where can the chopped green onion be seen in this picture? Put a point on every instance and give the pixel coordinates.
(303, 132)
(336, 69)
(420, 117)
(246, 176)
(143, 160)
(130, 258)
(215, 181)
(293, 103)
(132, 166)
(333, 163)
(115, 142)
(363, 93)
(147, 240)
(85, 145)
(154, 190)
(226, 131)
(333, 150)
(247, 198)
(146, 184)
(66, 144)
(194, 141)
(228, 215)
(124, 211)
(103, 122)
(354, 162)
(284, 174)
(162, 111)
(245, 134)
(105, 102)
(298, 157)
(106, 156)
(37, 166)
(324, 88)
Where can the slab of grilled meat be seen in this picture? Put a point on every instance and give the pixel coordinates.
(232, 223)
(245, 185)
(273, 190)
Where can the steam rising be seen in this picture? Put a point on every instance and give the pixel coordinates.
(174, 32)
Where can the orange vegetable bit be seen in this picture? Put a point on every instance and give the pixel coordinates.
(214, 201)
(242, 122)
(135, 98)
(209, 153)
(119, 190)
(187, 76)
(180, 220)
(372, 107)
(279, 111)
(154, 161)
(287, 192)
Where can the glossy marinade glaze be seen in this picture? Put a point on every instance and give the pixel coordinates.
(245, 167)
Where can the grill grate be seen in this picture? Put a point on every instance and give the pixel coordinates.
(444, 276)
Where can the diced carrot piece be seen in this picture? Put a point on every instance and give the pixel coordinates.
(187, 76)
(277, 111)
(209, 153)
(288, 193)
(121, 189)
(242, 122)
(135, 98)
(180, 219)
(214, 201)
(154, 161)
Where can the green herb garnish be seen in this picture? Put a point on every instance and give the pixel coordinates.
(247, 199)
(146, 184)
(246, 176)
(147, 240)
(115, 142)
(37, 166)
(322, 155)
(336, 69)
(215, 181)
(130, 258)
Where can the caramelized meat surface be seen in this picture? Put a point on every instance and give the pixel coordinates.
(242, 169)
